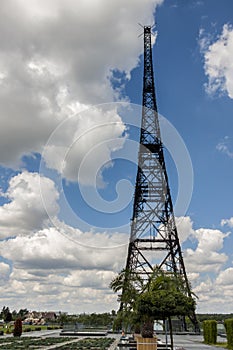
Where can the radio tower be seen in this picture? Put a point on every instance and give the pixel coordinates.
(154, 239)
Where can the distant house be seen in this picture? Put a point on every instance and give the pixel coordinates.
(40, 318)
(49, 316)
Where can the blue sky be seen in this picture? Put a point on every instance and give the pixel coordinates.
(71, 90)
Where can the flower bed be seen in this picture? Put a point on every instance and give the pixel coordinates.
(31, 343)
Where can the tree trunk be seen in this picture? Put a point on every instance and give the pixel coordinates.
(170, 329)
(148, 329)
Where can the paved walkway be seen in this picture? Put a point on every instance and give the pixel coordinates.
(192, 342)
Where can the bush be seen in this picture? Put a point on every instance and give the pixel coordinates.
(228, 323)
(37, 328)
(18, 328)
(210, 331)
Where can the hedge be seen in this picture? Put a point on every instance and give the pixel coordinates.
(27, 329)
(228, 323)
(210, 331)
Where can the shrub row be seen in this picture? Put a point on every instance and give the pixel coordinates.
(210, 331)
(228, 323)
(28, 329)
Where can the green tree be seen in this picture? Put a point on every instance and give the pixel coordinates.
(132, 284)
(63, 318)
(8, 317)
(14, 314)
(22, 313)
(6, 314)
(162, 296)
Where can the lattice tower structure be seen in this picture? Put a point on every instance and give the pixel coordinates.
(154, 240)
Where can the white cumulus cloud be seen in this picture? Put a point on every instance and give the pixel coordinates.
(48, 264)
(185, 227)
(224, 147)
(81, 146)
(25, 212)
(51, 249)
(225, 277)
(228, 222)
(207, 255)
(218, 61)
(215, 293)
(57, 57)
(4, 271)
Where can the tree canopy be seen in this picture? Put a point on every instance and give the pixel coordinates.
(162, 296)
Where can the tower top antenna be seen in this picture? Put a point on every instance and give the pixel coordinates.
(147, 29)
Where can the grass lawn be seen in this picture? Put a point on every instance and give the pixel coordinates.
(7, 329)
(221, 345)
